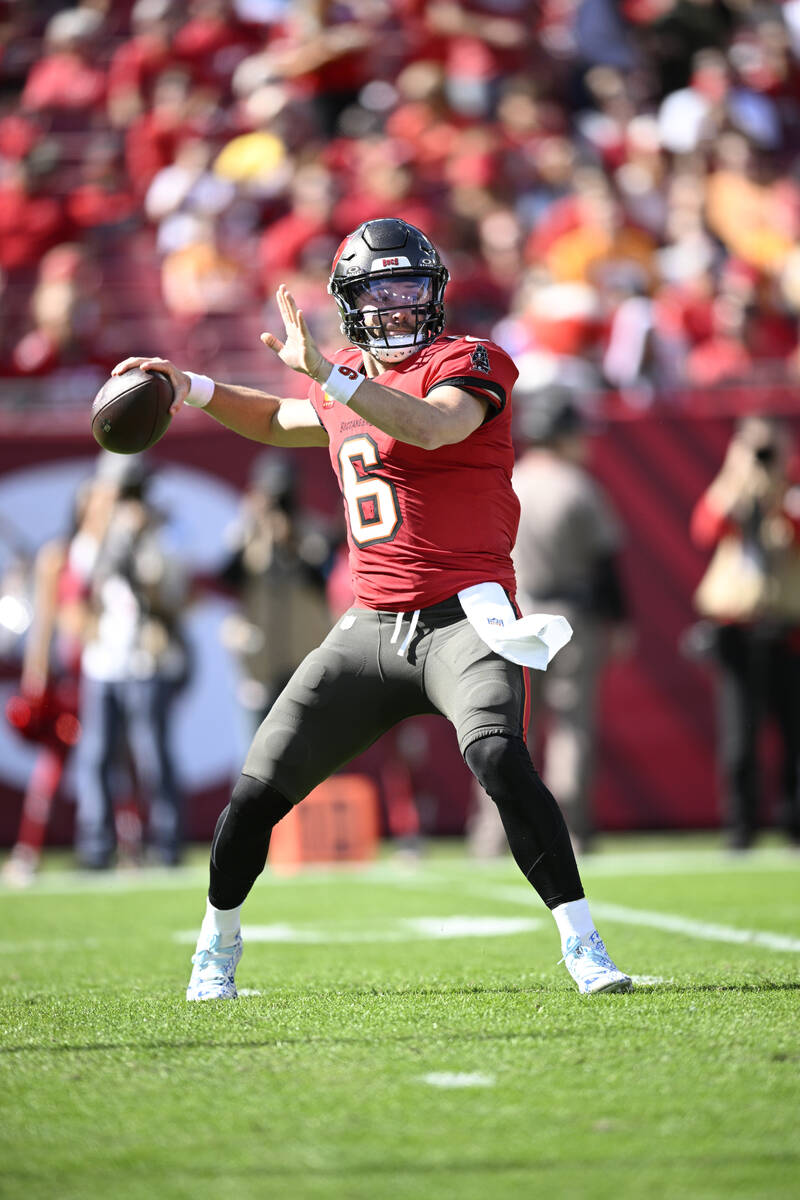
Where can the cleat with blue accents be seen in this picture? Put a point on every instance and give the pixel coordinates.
(587, 961)
(213, 970)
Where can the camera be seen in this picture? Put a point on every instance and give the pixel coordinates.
(765, 454)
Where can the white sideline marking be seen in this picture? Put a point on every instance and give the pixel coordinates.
(458, 1079)
(688, 926)
(649, 980)
(249, 992)
(403, 929)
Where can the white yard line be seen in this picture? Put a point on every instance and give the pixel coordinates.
(704, 930)
(457, 1079)
(388, 929)
(633, 863)
(670, 922)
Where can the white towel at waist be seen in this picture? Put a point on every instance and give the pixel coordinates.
(530, 641)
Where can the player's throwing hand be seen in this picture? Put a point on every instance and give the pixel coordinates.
(180, 381)
(299, 351)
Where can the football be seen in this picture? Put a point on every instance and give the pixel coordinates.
(131, 411)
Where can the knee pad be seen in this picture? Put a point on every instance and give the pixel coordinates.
(255, 802)
(244, 827)
(537, 835)
(501, 764)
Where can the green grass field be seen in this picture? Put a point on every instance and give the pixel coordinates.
(407, 1032)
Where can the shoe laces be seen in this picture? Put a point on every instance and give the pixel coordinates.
(213, 954)
(586, 947)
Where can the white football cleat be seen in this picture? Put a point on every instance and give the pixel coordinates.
(214, 969)
(587, 961)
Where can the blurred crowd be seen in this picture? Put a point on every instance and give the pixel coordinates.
(615, 186)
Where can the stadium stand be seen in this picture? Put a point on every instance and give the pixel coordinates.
(615, 186)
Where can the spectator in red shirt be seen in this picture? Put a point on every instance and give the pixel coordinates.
(104, 199)
(422, 121)
(152, 140)
(328, 52)
(31, 218)
(284, 241)
(749, 333)
(67, 77)
(137, 63)
(212, 42)
(723, 357)
(381, 182)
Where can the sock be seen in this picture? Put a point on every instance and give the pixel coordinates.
(573, 918)
(224, 921)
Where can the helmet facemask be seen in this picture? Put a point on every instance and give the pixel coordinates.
(391, 316)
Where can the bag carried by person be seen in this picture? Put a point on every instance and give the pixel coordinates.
(740, 585)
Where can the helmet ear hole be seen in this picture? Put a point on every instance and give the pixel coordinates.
(389, 249)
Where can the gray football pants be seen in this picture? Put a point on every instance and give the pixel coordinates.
(367, 675)
(356, 685)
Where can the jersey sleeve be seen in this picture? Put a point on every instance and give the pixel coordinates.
(480, 367)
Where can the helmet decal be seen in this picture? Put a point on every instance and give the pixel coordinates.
(399, 260)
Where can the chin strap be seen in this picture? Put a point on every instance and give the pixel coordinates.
(390, 356)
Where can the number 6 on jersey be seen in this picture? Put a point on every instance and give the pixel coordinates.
(371, 501)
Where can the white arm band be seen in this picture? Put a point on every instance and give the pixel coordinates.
(201, 390)
(342, 383)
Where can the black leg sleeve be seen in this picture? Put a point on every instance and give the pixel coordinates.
(535, 828)
(241, 840)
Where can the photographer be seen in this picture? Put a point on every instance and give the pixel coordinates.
(750, 515)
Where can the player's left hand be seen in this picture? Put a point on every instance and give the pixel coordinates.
(299, 351)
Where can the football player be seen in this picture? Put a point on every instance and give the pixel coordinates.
(418, 427)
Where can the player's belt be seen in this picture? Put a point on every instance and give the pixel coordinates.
(446, 612)
(436, 616)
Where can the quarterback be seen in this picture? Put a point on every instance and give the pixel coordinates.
(418, 427)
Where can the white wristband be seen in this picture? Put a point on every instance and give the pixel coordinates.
(342, 383)
(201, 390)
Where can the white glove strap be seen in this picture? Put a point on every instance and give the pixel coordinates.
(201, 391)
(342, 383)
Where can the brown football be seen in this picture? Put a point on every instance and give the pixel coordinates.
(131, 411)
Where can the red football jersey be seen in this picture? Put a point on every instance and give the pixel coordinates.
(423, 524)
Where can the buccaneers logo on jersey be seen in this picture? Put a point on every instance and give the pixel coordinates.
(480, 360)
